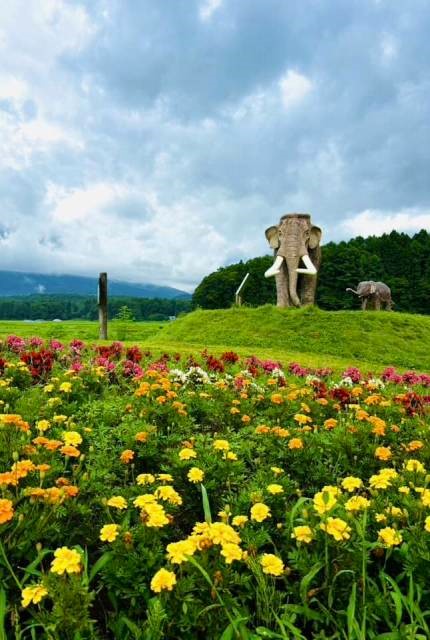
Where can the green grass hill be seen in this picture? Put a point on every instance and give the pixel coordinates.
(310, 336)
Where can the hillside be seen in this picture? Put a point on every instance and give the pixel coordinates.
(16, 283)
(383, 338)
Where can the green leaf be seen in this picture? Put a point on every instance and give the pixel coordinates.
(206, 505)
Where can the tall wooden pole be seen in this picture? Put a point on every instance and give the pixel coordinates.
(103, 306)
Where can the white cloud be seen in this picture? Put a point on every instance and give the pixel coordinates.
(208, 8)
(294, 88)
(376, 222)
(79, 204)
(389, 47)
(12, 88)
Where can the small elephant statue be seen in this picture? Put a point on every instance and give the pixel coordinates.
(295, 239)
(375, 293)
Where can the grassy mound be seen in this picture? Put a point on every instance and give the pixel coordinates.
(377, 338)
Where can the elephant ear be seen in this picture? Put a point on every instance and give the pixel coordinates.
(272, 235)
(315, 237)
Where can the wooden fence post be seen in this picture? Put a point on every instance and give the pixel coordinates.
(103, 306)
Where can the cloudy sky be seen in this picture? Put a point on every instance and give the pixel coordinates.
(157, 139)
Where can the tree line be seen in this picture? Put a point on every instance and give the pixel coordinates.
(399, 260)
(71, 307)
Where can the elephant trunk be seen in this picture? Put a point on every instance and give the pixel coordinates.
(353, 290)
(292, 264)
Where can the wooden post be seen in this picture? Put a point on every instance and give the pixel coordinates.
(103, 306)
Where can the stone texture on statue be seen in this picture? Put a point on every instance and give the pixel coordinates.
(296, 244)
(373, 295)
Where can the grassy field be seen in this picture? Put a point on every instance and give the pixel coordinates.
(310, 336)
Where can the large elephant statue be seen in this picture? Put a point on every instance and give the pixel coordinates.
(295, 240)
(373, 292)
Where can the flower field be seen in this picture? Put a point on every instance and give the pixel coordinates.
(209, 498)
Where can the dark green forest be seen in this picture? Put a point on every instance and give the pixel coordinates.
(399, 260)
(68, 307)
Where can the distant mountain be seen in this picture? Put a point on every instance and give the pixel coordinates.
(16, 283)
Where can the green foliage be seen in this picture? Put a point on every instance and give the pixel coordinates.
(401, 261)
(70, 307)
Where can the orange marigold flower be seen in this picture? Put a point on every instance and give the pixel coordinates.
(295, 443)
(262, 428)
(383, 453)
(280, 432)
(414, 445)
(276, 398)
(6, 511)
(127, 456)
(70, 450)
(330, 423)
(142, 436)
(53, 445)
(246, 419)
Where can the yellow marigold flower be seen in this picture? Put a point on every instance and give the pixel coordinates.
(390, 537)
(357, 503)
(324, 501)
(277, 470)
(380, 517)
(33, 594)
(153, 515)
(295, 443)
(6, 510)
(330, 423)
(276, 398)
(373, 399)
(383, 453)
(221, 445)
(195, 475)
(109, 532)
(229, 455)
(72, 438)
(59, 419)
(43, 425)
(165, 477)
(127, 456)
(302, 419)
(143, 500)
(187, 454)
(145, 478)
(178, 552)
(351, 483)
(163, 580)
(425, 497)
(70, 450)
(65, 387)
(142, 390)
(142, 436)
(427, 524)
(272, 565)
(48, 388)
(231, 551)
(234, 411)
(66, 561)
(303, 533)
(380, 481)
(337, 528)
(118, 502)
(395, 512)
(239, 521)
(168, 493)
(275, 488)
(404, 490)
(259, 512)
(280, 432)
(415, 466)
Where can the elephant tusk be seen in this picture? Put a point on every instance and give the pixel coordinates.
(310, 267)
(275, 268)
